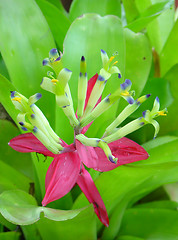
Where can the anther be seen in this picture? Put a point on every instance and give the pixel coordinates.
(18, 99)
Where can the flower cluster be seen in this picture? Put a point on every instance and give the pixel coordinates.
(102, 154)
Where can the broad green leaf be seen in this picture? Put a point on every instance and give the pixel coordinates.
(172, 191)
(3, 69)
(169, 54)
(7, 224)
(31, 232)
(10, 236)
(57, 21)
(21, 208)
(169, 124)
(5, 88)
(165, 152)
(126, 237)
(158, 30)
(85, 38)
(58, 4)
(148, 16)
(131, 10)
(137, 51)
(150, 224)
(102, 7)
(158, 142)
(19, 161)
(25, 42)
(82, 227)
(12, 179)
(159, 205)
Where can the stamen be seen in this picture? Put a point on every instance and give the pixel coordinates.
(54, 80)
(125, 93)
(115, 62)
(18, 99)
(162, 113)
(111, 58)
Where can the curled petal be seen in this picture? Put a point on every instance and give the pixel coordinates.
(91, 84)
(29, 143)
(88, 187)
(126, 150)
(61, 176)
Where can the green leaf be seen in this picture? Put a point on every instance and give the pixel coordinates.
(5, 88)
(85, 38)
(21, 208)
(159, 205)
(150, 224)
(23, 53)
(18, 161)
(148, 15)
(102, 7)
(160, 153)
(169, 54)
(82, 227)
(57, 21)
(159, 29)
(7, 224)
(129, 238)
(169, 124)
(12, 179)
(3, 69)
(131, 10)
(137, 51)
(10, 236)
(58, 4)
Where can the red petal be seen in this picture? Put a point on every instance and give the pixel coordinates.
(29, 143)
(88, 187)
(126, 150)
(91, 84)
(61, 176)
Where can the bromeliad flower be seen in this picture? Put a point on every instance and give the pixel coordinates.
(102, 154)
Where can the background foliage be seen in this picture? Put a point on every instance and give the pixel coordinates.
(141, 198)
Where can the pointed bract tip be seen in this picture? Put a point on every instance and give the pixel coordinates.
(12, 94)
(119, 76)
(128, 82)
(58, 58)
(45, 62)
(35, 129)
(148, 95)
(38, 96)
(100, 78)
(130, 100)
(144, 113)
(53, 51)
(111, 159)
(123, 86)
(103, 51)
(82, 58)
(157, 99)
(24, 128)
(67, 70)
